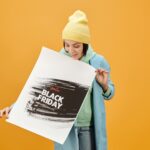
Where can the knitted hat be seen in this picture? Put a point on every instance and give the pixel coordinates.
(77, 28)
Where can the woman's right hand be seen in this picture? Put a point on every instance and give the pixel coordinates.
(5, 111)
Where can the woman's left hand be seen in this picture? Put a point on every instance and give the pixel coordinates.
(102, 78)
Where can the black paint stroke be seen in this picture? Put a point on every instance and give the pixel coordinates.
(72, 92)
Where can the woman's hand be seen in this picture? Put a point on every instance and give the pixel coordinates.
(5, 111)
(102, 78)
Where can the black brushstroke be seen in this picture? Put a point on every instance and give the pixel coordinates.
(72, 92)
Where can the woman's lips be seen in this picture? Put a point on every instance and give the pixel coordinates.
(74, 55)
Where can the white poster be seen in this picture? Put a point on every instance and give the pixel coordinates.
(51, 98)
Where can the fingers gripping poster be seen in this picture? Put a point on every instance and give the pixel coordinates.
(52, 96)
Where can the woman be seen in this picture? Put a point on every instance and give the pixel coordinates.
(89, 129)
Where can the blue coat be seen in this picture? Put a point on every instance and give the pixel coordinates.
(98, 97)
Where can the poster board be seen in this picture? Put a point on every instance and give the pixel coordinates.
(52, 96)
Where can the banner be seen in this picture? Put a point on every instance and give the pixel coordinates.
(52, 96)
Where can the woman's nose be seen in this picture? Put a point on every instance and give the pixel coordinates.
(71, 49)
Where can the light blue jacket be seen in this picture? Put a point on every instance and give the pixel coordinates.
(98, 97)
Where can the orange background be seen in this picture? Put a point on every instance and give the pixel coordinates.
(120, 32)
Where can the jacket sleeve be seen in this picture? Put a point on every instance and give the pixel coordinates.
(111, 88)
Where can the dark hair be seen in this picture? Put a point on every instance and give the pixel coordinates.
(85, 48)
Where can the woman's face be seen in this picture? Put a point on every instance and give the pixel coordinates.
(75, 49)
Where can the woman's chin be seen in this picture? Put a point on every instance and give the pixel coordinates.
(75, 57)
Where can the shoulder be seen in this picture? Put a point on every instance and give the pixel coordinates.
(98, 61)
(97, 57)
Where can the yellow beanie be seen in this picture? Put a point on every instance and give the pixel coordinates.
(77, 28)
